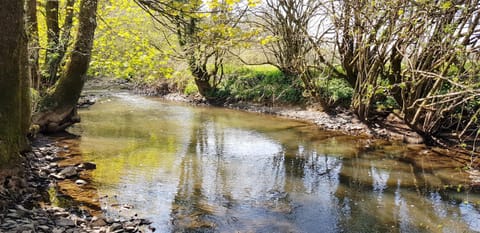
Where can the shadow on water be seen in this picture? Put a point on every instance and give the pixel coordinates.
(214, 170)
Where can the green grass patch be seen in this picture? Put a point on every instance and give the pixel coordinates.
(262, 83)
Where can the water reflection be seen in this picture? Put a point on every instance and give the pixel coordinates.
(214, 170)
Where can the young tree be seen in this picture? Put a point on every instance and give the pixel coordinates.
(58, 108)
(424, 54)
(14, 81)
(205, 31)
(293, 32)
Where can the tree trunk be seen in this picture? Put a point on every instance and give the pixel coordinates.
(63, 41)
(58, 109)
(33, 45)
(53, 37)
(14, 81)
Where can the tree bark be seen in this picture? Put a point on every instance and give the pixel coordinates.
(63, 41)
(33, 44)
(14, 81)
(58, 108)
(53, 39)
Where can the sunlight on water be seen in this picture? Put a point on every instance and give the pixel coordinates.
(216, 170)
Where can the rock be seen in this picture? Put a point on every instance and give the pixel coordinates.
(69, 172)
(115, 226)
(44, 228)
(28, 227)
(98, 222)
(87, 166)
(58, 230)
(61, 213)
(64, 222)
(81, 182)
(57, 176)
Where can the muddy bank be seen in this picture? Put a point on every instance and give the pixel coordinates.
(32, 199)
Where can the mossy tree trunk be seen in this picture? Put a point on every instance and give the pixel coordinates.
(14, 81)
(57, 42)
(58, 108)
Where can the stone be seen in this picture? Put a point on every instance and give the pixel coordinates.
(81, 182)
(57, 176)
(68, 172)
(58, 230)
(98, 222)
(115, 226)
(44, 228)
(28, 227)
(64, 222)
(88, 166)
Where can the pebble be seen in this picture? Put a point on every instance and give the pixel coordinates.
(81, 182)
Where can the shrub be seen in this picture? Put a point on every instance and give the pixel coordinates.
(262, 83)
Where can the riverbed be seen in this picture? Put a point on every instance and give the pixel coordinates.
(205, 169)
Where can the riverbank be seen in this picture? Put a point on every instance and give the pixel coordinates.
(389, 127)
(32, 199)
(53, 164)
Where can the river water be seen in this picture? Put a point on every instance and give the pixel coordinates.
(200, 169)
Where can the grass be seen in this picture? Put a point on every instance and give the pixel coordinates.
(262, 83)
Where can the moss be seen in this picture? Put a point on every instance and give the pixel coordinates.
(14, 82)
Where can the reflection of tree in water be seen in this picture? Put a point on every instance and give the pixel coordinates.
(388, 196)
(189, 213)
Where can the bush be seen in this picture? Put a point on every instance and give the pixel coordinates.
(336, 91)
(263, 83)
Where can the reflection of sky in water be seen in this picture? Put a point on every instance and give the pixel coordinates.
(195, 166)
(471, 216)
(380, 178)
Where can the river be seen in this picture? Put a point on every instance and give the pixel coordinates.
(204, 169)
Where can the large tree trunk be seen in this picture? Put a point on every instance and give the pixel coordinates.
(58, 108)
(14, 81)
(33, 44)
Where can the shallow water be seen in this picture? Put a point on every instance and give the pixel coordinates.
(194, 169)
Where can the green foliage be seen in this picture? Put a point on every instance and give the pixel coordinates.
(337, 91)
(190, 88)
(127, 44)
(260, 84)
